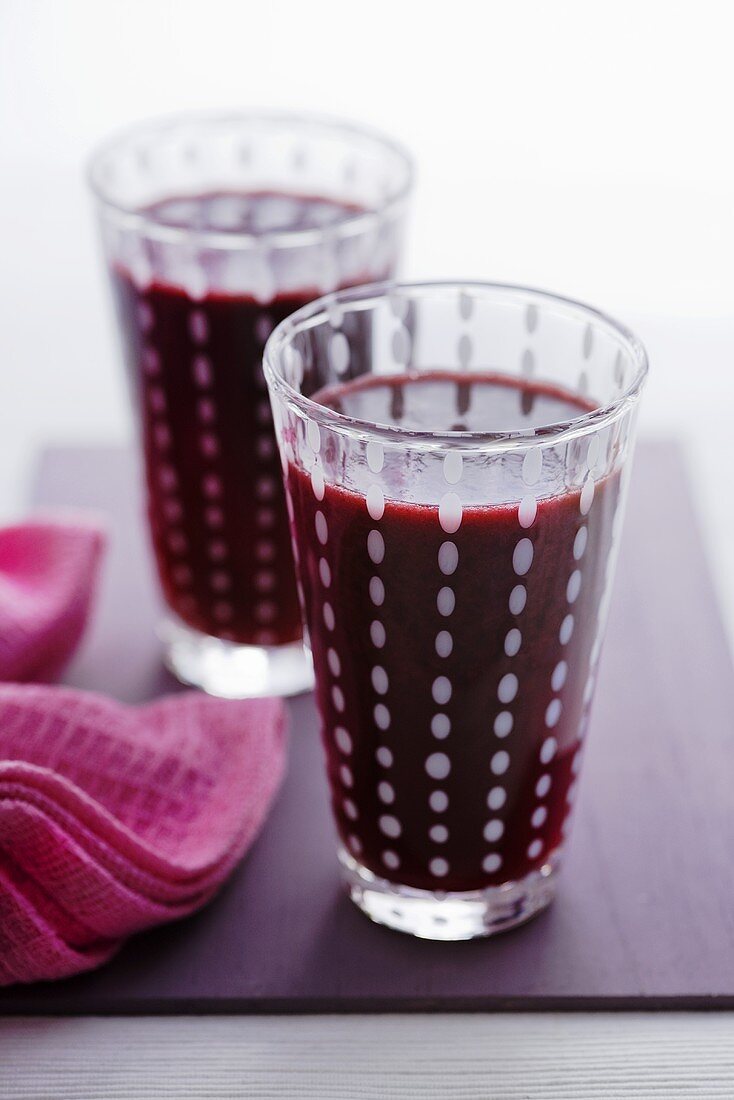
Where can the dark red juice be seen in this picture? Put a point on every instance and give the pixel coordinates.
(215, 499)
(453, 669)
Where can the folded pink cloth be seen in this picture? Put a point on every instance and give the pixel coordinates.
(47, 574)
(33, 946)
(114, 819)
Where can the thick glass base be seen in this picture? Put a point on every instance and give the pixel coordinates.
(449, 916)
(234, 671)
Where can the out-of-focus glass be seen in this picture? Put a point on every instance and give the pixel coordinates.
(215, 228)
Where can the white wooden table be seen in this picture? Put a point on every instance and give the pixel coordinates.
(550, 1057)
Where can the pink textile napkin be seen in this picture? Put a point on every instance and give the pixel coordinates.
(48, 570)
(114, 819)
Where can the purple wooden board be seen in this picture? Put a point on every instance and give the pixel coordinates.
(645, 911)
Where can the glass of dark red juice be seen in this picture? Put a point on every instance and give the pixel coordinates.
(455, 460)
(215, 228)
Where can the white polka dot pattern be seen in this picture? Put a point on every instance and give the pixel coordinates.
(343, 740)
(199, 389)
(439, 801)
(441, 690)
(548, 750)
(493, 830)
(507, 689)
(522, 558)
(446, 601)
(518, 598)
(376, 553)
(385, 792)
(500, 762)
(503, 723)
(438, 765)
(375, 546)
(535, 848)
(448, 558)
(375, 456)
(549, 746)
(527, 510)
(543, 786)
(452, 467)
(380, 680)
(381, 716)
(587, 495)
(449, 512)
(390, 825)
(375, 502)
(496, 798)
(522, 802)
(377, 591)
(440, 726)
(532, 465)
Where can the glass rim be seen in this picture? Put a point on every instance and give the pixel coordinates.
(349, 225)
(560, 430)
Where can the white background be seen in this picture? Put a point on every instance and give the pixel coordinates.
(584, 147)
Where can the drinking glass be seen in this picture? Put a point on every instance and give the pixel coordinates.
(455, 460)
(215, 228)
